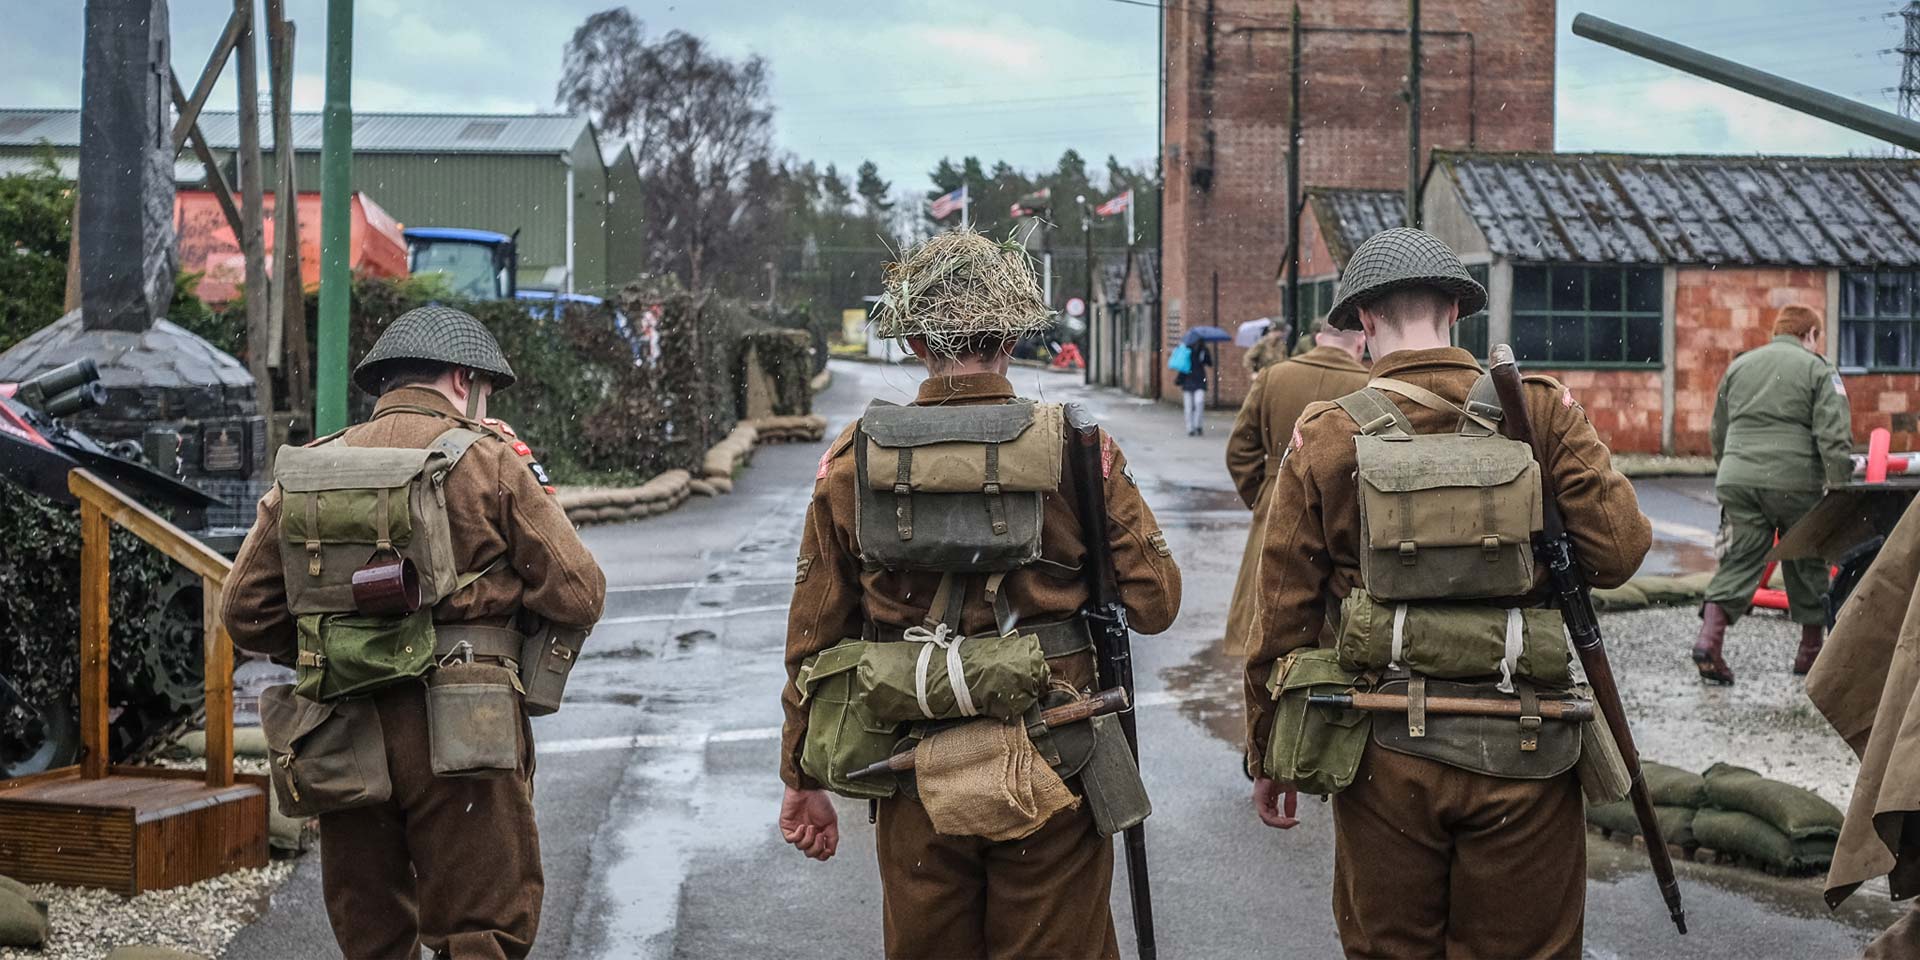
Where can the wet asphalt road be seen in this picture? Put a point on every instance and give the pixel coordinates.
(657, 792)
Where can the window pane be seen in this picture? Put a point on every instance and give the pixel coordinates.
(1856, 294)
(1569, 338)
(1856, 343)
(1891, 345)
(1471, 334)
(1529, 338)
(1603, 340)
(1603, 289)
(1569, 289)
(1644, 290)
(1643, 339)
(1529, 288)
(1890, 295)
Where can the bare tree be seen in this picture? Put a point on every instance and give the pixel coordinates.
(698, 122)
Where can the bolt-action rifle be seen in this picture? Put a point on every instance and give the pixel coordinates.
(1112, 642)
(1568, 585)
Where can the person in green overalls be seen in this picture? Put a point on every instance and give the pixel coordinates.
(1782, 434)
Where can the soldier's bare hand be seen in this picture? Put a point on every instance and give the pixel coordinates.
(809, 822)
(1276, 803)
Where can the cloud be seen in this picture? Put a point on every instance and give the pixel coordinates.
(1682, 114)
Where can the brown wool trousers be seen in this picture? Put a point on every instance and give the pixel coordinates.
(964, 898)
(449, 863)
(1434, 861)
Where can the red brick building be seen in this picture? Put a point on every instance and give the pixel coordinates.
(1638, 279)
(1487, 84)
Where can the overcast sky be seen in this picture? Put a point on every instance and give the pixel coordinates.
(906, 81)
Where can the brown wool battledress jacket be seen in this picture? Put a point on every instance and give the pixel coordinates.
(1312, 560)
(833, 597)
(1280, 393)
(497, 510)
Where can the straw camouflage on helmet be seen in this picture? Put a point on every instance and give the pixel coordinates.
(959, 286)
(440, 334)
(1395, 260)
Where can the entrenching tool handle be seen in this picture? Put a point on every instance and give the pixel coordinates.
(1574, 710)
(1113, 644)
(1554, 549)
(1079, 711)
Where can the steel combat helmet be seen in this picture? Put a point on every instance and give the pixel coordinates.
(439, 334)
(960, 286)
(1395, 260)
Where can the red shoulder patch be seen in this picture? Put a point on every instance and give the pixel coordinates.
(500, 425)
(520, 447)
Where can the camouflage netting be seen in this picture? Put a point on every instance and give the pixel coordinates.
(958, 287)
(154, 667)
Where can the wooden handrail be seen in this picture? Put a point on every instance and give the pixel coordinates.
(100, 506)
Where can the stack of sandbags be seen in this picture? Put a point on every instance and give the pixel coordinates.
(23, 919)
(1782, 827)
(614, 505)
(1677, 796)
(728, 456)
(147, 952)
(804, 428)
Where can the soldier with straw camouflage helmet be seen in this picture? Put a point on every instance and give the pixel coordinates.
(1432, 837)
(443, 860)
(904, 563)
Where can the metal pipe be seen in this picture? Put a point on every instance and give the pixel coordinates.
(336, 184)
(1413, 113)
(1832, 108)
(1293, 178)
(568, 160)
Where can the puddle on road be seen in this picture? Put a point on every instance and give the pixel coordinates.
(1671, 557)
(1611, 861)
(1209, 689)
(692, 638)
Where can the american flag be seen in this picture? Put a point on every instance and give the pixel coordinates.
(1118, 204)
(950, 204)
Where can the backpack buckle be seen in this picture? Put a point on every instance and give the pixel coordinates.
(1490, 545)
(1408, 549)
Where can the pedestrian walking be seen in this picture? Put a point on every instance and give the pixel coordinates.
(1782, 433)
(1261, 432)
(938, 601)
(1864, 683)
(1193, 387)
(406, 732)
(1401, 515)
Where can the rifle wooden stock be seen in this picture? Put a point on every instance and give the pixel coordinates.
(1572, 710)
(1113, 644)
(1079, 711)
(1554, 549)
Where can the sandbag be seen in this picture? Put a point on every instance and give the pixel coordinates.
(1799, 813)
(145, 952)
(1676, 823)
(1672, 786)
(1620, 599)
(23, 922)
(1731, 831)
(1669, 591)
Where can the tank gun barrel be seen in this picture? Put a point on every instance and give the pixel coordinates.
(1832, 108)
(77, 399)
(65, 385)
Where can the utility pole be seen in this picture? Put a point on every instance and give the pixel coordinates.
(1293, 177)
(252, 237)
(1909, 51)
(1086, 233)
(1413, 113)
(294, 350)
(336, 183)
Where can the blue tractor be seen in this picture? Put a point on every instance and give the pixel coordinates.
(478, 264)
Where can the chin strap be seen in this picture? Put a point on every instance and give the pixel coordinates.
(474, 380)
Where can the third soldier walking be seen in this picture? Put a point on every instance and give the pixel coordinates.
(936, 610)
(1400, 532)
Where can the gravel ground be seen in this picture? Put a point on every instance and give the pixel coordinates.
(200, 918)
(1763, 721)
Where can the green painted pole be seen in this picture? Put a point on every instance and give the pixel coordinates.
(336, 186)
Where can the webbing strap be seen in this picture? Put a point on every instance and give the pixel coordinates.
(1002, 613)
(313, 534)
(903, 494)
(945, 608)
(384, 541)
(1417, 706)
(454, 443)
(996, 511)
(1376, 415)
(1484, 401)
(1529, 718)
(1480, 426)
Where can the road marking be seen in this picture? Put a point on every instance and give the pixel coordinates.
(697, 741)
(692, 615)
(696, 584)
(1684, 531)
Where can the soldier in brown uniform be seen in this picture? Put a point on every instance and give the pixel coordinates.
(451, 864)
(1260, 435)
(1045, 895)
(1429, 858)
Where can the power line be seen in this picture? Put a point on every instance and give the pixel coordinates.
(1909, 51)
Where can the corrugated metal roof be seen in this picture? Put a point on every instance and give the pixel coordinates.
(185, 171)
(1348, 217)
(1748, 210)
(372, 132)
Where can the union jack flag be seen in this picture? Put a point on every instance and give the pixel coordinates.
(1117, 205)
(948, 205)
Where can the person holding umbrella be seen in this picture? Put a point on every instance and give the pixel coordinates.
(1193, 380)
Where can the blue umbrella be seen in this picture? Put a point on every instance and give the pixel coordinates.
(1211, 334)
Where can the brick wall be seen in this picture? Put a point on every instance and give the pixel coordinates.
(1719, 313)
(1890, 400)
(1624, 405)
(1226, 122)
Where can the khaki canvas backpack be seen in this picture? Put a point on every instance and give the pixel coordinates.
(1443, 516)
(341, 508)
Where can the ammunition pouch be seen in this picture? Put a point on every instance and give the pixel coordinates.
(1442, 516)
(1454, 640)
(955, 489)
(474, 726)
(1315, 748)
(1525, 748)
(843, 735)
(323, 757)
(546, 660)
